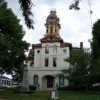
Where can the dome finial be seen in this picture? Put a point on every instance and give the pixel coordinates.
(53, 10)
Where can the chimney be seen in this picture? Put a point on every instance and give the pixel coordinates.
(81, 45)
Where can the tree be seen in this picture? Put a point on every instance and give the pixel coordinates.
(95, 46)
(26, 6)
(12, 45)
(78, 72)
(74, 5)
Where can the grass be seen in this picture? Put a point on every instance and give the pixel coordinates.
(40, 95)
(10, 95)
(78, 95)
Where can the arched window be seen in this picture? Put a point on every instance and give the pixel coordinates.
(47, 49)
(61, 80)
(35, 80)
(55, 49)
(51, 29)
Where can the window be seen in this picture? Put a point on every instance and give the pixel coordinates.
(47, 30)
(61, 80)
(38, 51)
(46, 62)
(64, 50)
(47, 49)
(55, 30)
(51, 29)
(35, 79)
(55, 49)
(54, 62)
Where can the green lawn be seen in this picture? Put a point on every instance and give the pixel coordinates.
(74, 95)
(63, 95)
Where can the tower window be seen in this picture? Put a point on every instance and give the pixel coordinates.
(47, 30)
(55, 30)
(54, 62)
(47, 49)
(55, 49)
(46, 62)
(51, 29)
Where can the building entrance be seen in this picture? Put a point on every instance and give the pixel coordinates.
(50, 81)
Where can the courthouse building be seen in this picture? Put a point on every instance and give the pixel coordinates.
(46, 59)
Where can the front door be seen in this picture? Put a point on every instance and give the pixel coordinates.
(50, 81)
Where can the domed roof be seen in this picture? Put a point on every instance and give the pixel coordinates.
(52, 16)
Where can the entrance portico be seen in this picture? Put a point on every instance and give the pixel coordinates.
(48, 81)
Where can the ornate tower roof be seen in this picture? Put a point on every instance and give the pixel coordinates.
(52, 16)
(52, 28)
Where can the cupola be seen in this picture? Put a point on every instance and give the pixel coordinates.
(52, 27)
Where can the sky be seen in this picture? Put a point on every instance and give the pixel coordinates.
(75, 25)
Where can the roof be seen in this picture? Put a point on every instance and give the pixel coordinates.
(4, 77)
(52, 16)
(66, 44)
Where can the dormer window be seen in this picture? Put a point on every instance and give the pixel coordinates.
(47, 49)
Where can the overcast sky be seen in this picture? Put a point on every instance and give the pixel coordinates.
(75, 25)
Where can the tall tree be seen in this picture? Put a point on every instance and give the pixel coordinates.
(26, 6)
(12, 45)
(74, 5)
(78, 72)
(95, 46)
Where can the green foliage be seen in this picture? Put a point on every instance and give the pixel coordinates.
(26, 6)
(78, 72)
(31, 95)
(75, 5)
(31, 87)
(12, 45)
(95, 46)
(73, 88)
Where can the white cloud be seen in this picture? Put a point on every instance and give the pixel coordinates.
(75, 25)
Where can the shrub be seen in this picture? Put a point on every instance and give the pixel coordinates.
(24, 92)
(31, 87)
(73, 87)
